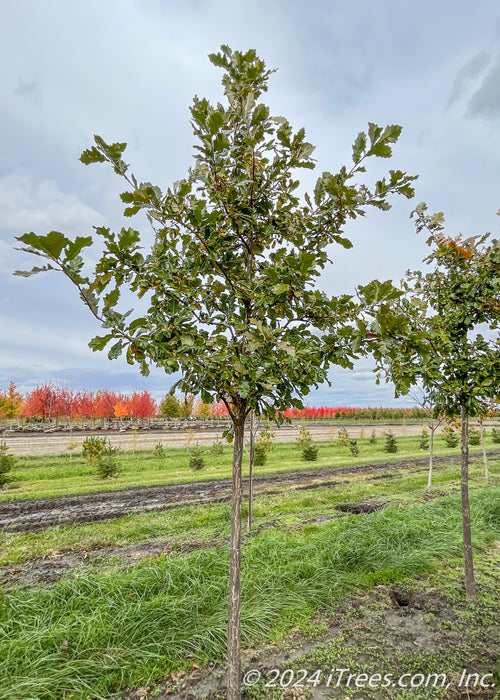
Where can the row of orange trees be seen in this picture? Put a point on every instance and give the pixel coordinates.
(52, 401)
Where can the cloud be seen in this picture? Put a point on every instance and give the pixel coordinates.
(26, 205)
(468, 73)
(31, 90)
(486, 101)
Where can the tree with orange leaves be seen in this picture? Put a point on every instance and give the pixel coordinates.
(121, 410)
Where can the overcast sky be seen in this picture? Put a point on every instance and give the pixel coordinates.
(128, 70)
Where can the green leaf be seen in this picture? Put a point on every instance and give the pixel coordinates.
(359, 147)
(187, 340)
(128, 238)
(289, 349)
(99, 342)
(33, 271)
(391, 133)
(374, 132)
(221, 143)
(53, 243)
(382, 150)
(260, 113)
(111, 299)
(92, 155)
(74, 247)
(116, 350)
(215, 121)
(138, 323)
(130, 211)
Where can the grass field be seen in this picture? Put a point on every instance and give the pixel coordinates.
(55, 475)
(110, 624)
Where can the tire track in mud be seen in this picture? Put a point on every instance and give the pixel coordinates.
(30, 515)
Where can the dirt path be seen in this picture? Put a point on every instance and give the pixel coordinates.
(39, 514)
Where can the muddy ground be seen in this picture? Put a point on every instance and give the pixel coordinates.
(38, 514)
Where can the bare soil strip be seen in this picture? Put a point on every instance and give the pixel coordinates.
(38, 514)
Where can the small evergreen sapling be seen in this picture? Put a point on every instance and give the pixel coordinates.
(196, 459)
(343, 438)
(159, 451)
(423, 442)
(310, 452)
(305, 443)
(92, 447)
(107, 466)
(217, 448)
(451, 438)
(6, 463)
(353, 446)
(263, 446)
(474, 437)
(373, 438)
(391, 444)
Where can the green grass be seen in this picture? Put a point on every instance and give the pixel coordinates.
(46, 476)
(131, 627)
(362, 639)
(211, 522)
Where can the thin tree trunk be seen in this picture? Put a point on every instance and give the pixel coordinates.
(250, 471)
(470, 585)
(485, 459)
(431, 455)
(234, 603)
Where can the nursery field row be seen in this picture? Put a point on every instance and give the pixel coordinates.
(57, 443)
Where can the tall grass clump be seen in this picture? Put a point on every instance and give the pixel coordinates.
(99, 633)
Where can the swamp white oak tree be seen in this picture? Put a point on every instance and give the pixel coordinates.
(230, 278)
(428, 332)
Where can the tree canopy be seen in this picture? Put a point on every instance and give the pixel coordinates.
(439, 328)
(230, 277)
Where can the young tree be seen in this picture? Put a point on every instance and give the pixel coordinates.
(121, 410)
(11, 402)
(186, 406)
(169, 407)
(203, 410)
(230, 276)
(423, 400)
(142, 404)
(428, 333)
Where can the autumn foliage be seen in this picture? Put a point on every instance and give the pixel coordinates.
(49, 401)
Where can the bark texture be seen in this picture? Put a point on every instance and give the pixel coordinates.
(470, 585)
(234, 602)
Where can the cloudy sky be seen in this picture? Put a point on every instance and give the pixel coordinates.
(128, 69)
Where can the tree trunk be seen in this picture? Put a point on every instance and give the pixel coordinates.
(470, 585)
(234, 603)
(431, 455)
(485, 459)
(250, 471)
